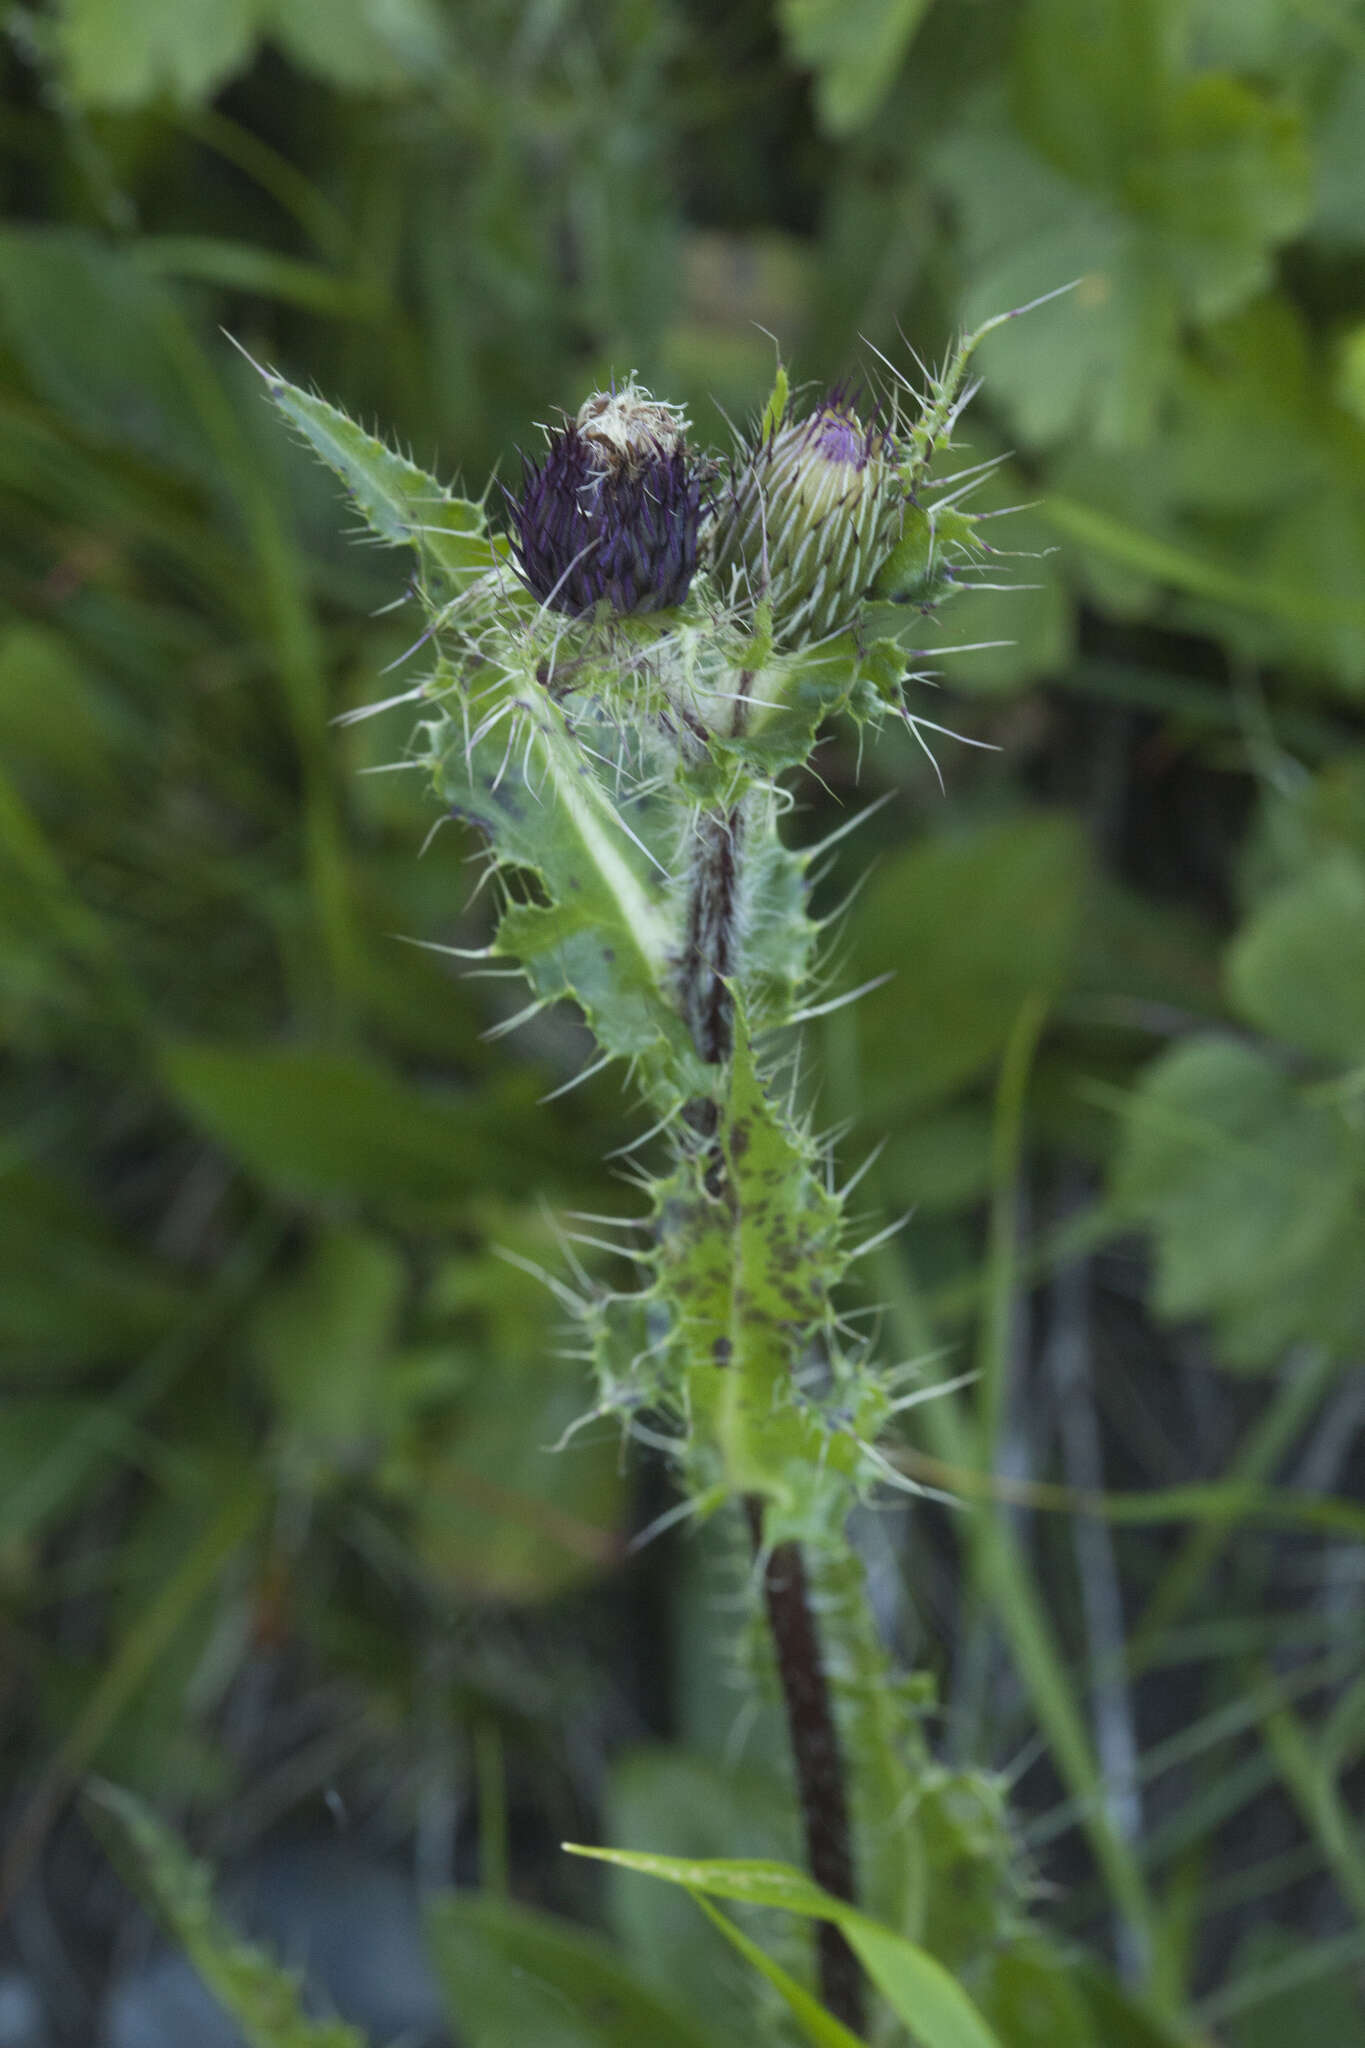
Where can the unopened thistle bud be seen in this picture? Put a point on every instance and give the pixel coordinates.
(808, 520)
(614, 510)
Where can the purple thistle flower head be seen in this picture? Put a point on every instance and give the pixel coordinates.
(810, 514)
(614, 510)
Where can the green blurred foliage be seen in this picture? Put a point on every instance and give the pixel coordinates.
(261, 1161)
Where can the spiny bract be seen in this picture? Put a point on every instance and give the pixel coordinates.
(810, 515)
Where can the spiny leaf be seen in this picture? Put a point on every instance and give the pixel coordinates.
(776, 936)
(330, 1125)
(740, 1302)
(791, 700)
(400, 502)
(787, 1226)
(607, 934)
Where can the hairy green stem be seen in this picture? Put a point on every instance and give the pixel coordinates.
(707, 1004)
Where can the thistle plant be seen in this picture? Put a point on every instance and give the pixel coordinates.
(626, 665)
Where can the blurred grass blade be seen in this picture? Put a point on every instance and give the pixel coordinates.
(1303, 1383)
(816, 2025)
(1316, 1792)
(241, 267)
(1330, 1956)
(129, 1668)
(922, 1993)
(1184, 570)
(263, 1998)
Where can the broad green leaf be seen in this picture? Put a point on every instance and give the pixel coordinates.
(362, 47)
(513, 1975)
(1253, 36)
(1167, 206)
(317, 1123)
(494, 1511)
(1087, 84)
(929, 2001)
(1298, 969)
(103, 343)
(970, 924)
(120, 55)
(263, 1998)
(499, 1514)
(1248, 500)
(1314, 547)
(1325, 1304)
(1245, 416)
(940, 1162)
(1230, 182)
(1097, 361)
(855, 49)
(398, 501)
(322, 1337)
(1250, 1188)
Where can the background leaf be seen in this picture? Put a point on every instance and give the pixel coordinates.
(854, 52)
(1298, 970)
(513, 1974)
